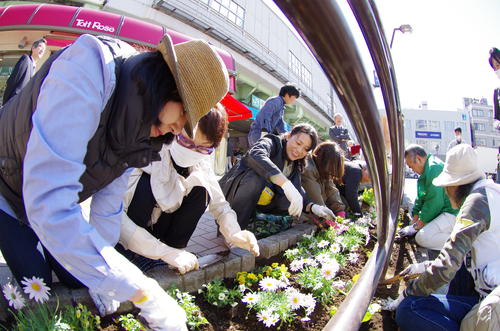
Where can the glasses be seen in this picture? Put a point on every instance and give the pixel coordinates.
(188, 143)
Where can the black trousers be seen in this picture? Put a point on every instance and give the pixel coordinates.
(18, 243)
(243, 198)
(174, 229)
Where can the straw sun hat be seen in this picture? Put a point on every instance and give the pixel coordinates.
(200, 75)
(461, 167)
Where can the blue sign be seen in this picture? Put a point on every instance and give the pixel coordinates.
(428, 134)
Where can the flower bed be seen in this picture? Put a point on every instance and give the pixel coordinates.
(297, 290)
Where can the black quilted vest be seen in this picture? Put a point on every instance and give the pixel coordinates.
(121, 140)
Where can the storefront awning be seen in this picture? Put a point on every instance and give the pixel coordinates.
(235, 109)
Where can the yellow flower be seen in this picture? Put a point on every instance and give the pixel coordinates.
(252, 276)
(355, 278)
(274, 265)
(283, 268)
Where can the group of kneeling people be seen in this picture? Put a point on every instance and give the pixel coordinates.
(135, 133)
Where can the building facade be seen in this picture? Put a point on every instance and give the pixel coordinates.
(481, 114)
(434, 129)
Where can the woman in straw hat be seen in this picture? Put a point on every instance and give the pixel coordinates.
(166, 199)
(92, 111)
(473, 242)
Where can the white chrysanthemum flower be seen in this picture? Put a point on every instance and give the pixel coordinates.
(242, 288)
(330, 270)
(296, 265)
(222, 296)
(338, 284)
(36, 289)
(353, 257)
(323, 244)
(250, 298)
(268, 284)
(323, 258)
(354, 248)
(309, 261)
(293, 251)
(309, 303)
(295, 299)
(13, 296)
(268, 318)
(335, 247)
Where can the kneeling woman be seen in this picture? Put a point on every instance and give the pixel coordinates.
(166, 199)
(273, 163)
(324, 167)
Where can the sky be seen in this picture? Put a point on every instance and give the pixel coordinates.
(446, 56)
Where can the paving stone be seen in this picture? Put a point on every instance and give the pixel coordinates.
(214, 271)
(166, 277)
(282, 239)
(293, 236)
(268, 247)
(193, 280)
(232, 265)
(247, 258)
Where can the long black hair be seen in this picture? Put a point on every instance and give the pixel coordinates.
(311, 132)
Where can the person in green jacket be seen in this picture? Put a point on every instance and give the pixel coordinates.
(433, 217)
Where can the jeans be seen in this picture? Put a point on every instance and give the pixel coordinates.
(433, 312)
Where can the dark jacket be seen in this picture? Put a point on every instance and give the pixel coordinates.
(265, 159)
(496, 103)
(121, 140)
(269, 119)
(350, 185)
(340, 135)
(20, 76)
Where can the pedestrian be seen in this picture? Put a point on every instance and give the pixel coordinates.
(24, 70)
(458, 138)
(94, 110)
(473, 243)
(433, 217)
(268, 177)
(270, 117)
(355, 174)
(495, 65)
(325, 167)
(166, 199)
(340, 134)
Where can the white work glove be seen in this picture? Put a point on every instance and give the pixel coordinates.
(246, 240)
(104, 304)
(407, 231)
(393, 305)
(231, 230)
(181, 259)
(160, 311)
(415, 269)
(295, 198)
(322, 211)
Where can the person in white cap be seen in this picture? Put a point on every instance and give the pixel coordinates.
(473, 243)
(95, 110)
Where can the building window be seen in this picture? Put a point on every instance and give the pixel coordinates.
(479, 126)
(421, 124)
(229, 9)
(481, 142)
(449, 126)
(433, 125)
(477, 112)
(299, 70)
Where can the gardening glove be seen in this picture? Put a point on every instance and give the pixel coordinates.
(407, 231)
(230, 229)
(104, 304)
(160, 311)
(181, 259)
(415, 269)
(295, 198)
(322, 211)
(393, 305)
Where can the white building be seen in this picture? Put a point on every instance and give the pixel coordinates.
(481, 115)
(434, 129)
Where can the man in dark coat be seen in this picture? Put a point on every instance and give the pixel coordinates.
(339, 134)
(24, 70)
(355, 173)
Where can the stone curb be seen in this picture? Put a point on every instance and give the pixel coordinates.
(238, 260)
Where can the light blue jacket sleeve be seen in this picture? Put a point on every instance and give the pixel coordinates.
(70, 103)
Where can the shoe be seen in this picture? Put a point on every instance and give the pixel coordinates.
(407, 231)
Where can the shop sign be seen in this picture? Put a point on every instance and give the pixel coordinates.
(428, 134)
